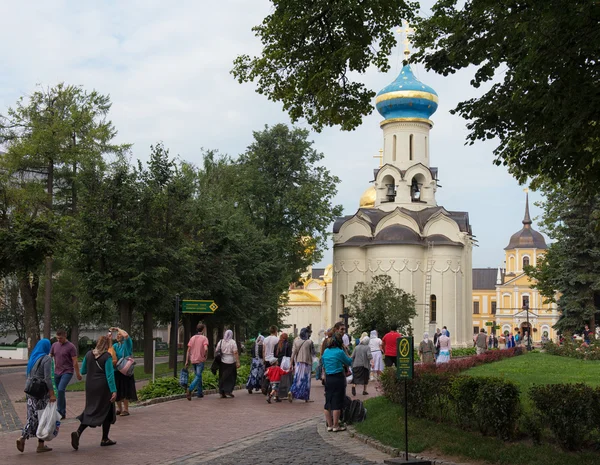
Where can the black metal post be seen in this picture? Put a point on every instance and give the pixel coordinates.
(174, 331)
(405, 420)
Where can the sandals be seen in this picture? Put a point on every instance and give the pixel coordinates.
(118, 412)
(365, 393)
(353, 390)
(43, 449)
(75, 440)
(329, 429)
(339, 428)
(290, 398)
(188, 394)
(125, 413)
(108, 442)
(21, 444)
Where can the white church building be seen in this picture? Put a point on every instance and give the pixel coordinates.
(399, 229)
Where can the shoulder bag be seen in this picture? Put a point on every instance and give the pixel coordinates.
(35, 386)
(126, 365)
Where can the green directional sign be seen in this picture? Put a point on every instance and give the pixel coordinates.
(198, 306)
(405, 358)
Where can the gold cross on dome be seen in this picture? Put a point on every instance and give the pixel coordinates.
(526, 190)
(404, 32)
(380, 156)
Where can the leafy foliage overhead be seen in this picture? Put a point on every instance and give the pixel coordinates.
(311, 49)
(545, 109)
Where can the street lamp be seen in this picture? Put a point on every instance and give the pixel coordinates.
(526, 308)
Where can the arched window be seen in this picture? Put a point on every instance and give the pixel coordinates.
(410, 147)
(525, 262)
(433, 307)
(394, 149)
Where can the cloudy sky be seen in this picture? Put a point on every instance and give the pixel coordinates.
(166, 67)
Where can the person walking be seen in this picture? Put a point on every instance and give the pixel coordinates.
(361, 364)
(274, 373)
(390, 347)
(100, 393)
(283, 354)
(230, 362)
(39, 366)
(303, 352)
(65, 364)
(436, 336)
(269, 346)
(376, 355)
(125, 384)
(427, 350)
(334, 361)
(445, 348)
(257, 368)
(196, 353)
(481, 342)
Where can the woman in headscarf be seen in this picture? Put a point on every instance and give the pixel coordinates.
(100, 393)
(230, 362)
(445, 348)
(334, 361)
(39, 366)
(257, 369)
(303, 352)
(125, 384)
(377, 362)
(427, 349)
(361, 364)
(284, 349)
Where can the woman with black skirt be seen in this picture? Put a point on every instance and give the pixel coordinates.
(125, 384)
(230, 362)
(334, 362)
(100, 393)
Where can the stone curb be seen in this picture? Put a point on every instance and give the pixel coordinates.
(393, 451)
(160, 400)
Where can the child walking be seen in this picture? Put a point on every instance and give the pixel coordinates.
(274, 374)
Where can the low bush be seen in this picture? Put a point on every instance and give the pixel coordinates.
(568, 410)
(464, 352)
(574, 349)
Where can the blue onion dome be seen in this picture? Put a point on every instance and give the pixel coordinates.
(406, 98)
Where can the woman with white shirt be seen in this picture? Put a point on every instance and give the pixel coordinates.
(230, 362)
(377, 362)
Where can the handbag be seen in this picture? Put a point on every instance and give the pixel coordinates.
(184, 377)
(214, 368)
(36, 386)
(126, 365)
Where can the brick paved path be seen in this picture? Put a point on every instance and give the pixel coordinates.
(9, 419)
(180, 430)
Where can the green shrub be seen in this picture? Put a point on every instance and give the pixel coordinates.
(464, 352)
(161, 387)
(568, 410)
(498, 407)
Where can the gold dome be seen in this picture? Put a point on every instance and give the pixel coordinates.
(368, 198)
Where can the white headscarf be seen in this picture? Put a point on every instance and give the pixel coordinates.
(426, 337)
(228, 335)
(259, 340)
(365, 339)
(373, 334)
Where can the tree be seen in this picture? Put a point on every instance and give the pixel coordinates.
(310, 49)
(12, 313)
(570, 268)
(545, 111)
(380, 305)
(50, 137)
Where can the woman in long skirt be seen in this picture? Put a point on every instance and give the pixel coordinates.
(39, 366)
(125, 384)
(361, 364)
(303, 352)
(257, 369)
(445, 348)
(230, 362)
(100, 393)
(377, 359)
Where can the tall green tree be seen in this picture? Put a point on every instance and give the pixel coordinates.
(569, 273)
(380, 305)
(50, 137)
(311, 50)
(539, 60)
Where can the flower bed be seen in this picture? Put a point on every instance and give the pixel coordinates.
(570, 348)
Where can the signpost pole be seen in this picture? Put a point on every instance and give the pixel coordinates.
(174, 332)
(405, 419)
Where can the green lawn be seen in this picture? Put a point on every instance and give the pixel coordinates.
(385, 422)
(538, 368)
(162, 369)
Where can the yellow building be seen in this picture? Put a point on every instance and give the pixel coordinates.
(503, 300)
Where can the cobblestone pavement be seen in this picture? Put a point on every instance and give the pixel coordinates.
(9, 419)
(304, 442)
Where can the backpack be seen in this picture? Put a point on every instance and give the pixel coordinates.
(35, 385)
(356, 412)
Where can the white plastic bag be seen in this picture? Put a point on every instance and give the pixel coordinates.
(49, 422)
(286, 362)
(350, 377)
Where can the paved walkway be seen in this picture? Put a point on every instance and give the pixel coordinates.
(212, 430)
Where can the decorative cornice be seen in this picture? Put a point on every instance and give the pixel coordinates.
(406, 120)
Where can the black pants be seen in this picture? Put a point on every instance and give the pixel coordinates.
(105, 428)
(389, 360)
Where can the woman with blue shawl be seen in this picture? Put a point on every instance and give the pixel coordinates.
(303, 352)
(39, 366)
(257, 369)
